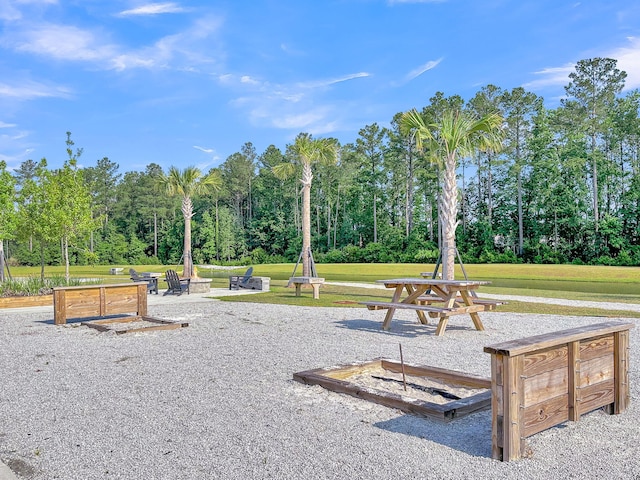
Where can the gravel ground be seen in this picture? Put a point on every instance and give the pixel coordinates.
(216, 400)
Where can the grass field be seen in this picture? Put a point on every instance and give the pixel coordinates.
(575, 282)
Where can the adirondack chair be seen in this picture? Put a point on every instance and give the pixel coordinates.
(152, 282)
(175, 284)
(237, 282)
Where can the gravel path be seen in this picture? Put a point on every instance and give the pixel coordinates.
(216, 400)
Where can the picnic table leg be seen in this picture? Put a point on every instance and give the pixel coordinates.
(442, 325)
(468, 301)
(316, 290)
(414, 293)
(389, 316)
(449, 301)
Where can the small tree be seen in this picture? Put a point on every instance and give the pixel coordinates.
(7, 212)
(187, 184)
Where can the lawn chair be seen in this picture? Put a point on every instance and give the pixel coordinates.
(237, 282)
(152, 282)
(175, 284)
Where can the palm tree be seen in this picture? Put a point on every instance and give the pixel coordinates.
(187, 184)
(307, 151)
(455, 134)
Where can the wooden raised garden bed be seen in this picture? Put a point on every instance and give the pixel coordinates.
(430, 391)
(26, 301)
(542, 381)
(108, 303)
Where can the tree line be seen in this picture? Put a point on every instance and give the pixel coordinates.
(564, 187)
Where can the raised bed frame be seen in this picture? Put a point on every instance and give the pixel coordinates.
(92, 301)
(539, 382)
(336, 379)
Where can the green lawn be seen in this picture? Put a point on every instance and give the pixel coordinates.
(568, 282)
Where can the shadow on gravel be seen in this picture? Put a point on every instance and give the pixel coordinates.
(470, 435)
(20, 467)
(399, 328)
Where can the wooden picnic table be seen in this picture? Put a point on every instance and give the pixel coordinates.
(435, 297)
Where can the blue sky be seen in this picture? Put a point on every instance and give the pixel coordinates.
(189, 82)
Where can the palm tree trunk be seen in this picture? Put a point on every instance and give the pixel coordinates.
(187, 212)
(306, 220)
(449, 209)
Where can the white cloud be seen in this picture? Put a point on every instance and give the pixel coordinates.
(7, 125)
(29, 90)
(333, 81)
(205, 150)
(69, 43)
(551, 77)
(423, 68)
(153, 9)
(61, 42)
(296, 106)
(628, 58)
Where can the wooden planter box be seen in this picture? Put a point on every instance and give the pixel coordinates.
(108, 301)
(339, 379)
(26, 301)
(539, 382)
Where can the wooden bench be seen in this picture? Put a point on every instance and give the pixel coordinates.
(539, 382)
(89, 301)
(406, 306)
(313, 282)
(489, 303)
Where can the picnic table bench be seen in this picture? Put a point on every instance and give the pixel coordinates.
(435, 297)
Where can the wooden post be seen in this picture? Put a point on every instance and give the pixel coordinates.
(142, 299)
(59, 307)
(621, 372)
(573, 364)
(497, 407)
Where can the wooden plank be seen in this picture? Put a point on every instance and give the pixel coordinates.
(497, 407)
(547, 340)
(331, 379)
(621, 371)
(596, 347)
(573, 375)
(544, 360)
(545, 385)
(345, 371)
(142, 299)
(513, 421)
(59, 307)
(159, 324)
(597, 395)
(122, 299)
(551, 412)
(443, 375)
(103, 301)
(596, 370)
(82, 303)
(26, 301)
(405, 306)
